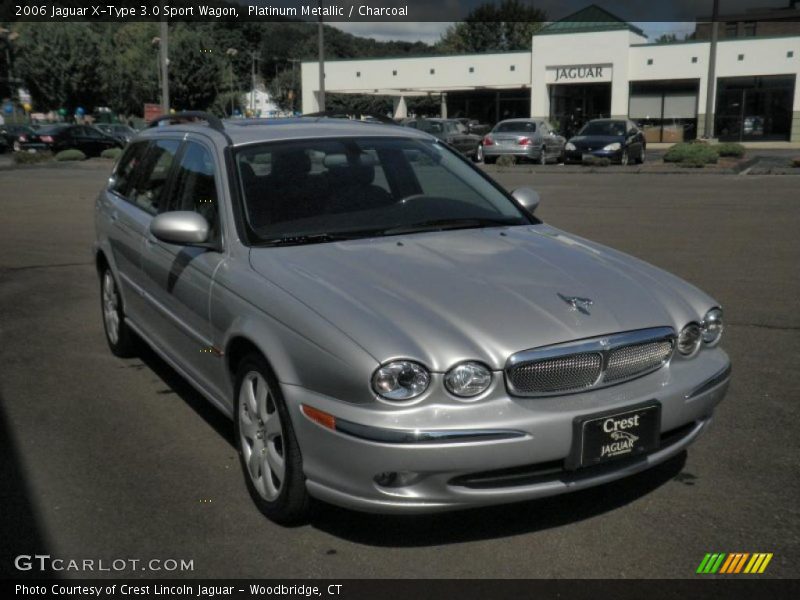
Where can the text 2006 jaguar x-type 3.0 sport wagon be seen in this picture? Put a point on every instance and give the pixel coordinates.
(390, 330)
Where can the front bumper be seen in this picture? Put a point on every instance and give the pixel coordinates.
(577, 155)
(407, 475)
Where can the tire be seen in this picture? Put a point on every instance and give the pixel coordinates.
(121, 340)
(17, 147)
(624, 159)
(642, 155)
(268, 443)
(479, 153)
(542, 156)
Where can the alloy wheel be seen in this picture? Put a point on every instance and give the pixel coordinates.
(261, 436)
(110, 307)
(542, 157)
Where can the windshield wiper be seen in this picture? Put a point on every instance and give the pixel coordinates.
(318, 238)
(442, 224)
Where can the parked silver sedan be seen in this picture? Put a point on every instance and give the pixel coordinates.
(524, 139)
(388, 329)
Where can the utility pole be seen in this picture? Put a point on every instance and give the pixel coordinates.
(253, 75)
(712, 73)
(321, 43)
(294, 62)
(163, 49)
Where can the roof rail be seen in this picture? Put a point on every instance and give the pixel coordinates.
(341, 114)
(190, 115)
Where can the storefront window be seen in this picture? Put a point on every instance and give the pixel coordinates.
(754, 108)
(666, 111)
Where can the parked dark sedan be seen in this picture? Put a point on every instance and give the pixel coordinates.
(451, 131)
(12, 136)
(619, 140)
(62, 136)
(122, 133)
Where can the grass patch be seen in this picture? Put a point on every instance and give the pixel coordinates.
(796, 162)
(692, 153)
(112, 153)
(506, 160)
(29, 158)
(71, 154)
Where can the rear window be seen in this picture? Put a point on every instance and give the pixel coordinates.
(516, 127)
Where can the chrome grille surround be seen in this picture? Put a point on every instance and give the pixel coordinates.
(589, 364)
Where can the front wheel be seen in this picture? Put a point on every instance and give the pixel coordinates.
(624, 159)
(642, 155)
(268, 449)
(120, 338)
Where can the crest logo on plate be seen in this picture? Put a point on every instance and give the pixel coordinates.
(576, 303)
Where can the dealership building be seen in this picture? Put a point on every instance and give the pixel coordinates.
(593, 64)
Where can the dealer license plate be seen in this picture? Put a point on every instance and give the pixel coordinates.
(615, 435)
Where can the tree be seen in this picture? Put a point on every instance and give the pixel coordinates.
(284, 90)
(129, 63)
(666, 38)
(57, 62)
(196, 71)
(492, 28)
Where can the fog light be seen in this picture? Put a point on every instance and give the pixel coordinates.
(396, 479)
(689, 339)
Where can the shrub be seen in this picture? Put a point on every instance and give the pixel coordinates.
(71, 154)
(682, 152)
(596, 161)
(506, 160)
(796, 162)
(26, 158)
(112, 153)
(731, 149)
(692, 163)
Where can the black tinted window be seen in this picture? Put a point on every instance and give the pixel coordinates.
(148, 185)
(195, 188)
(127, 168)
(516, 127)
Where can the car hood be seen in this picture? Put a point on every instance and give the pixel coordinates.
(481, 294)
(595, 141)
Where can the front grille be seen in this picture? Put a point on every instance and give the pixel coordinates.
(629, 361)
(589, 364)
(558, 374)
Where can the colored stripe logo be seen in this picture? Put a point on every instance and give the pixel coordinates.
(734, 563)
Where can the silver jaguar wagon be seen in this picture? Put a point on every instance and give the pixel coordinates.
(387, 327)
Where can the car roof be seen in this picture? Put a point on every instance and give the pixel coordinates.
(251, 131)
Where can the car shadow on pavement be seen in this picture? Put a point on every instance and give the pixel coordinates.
(21, 533)
(195, 400)
(495, 521)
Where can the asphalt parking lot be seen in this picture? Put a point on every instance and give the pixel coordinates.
(106, 458)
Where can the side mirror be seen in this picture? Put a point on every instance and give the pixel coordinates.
(182, 227)
(528, 198)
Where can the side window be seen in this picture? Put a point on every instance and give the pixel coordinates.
(195, 188)
(148, 186)
(127, 168)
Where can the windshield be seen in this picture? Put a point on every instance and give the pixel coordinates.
(361, 187)
(603, 128)
(516, 126)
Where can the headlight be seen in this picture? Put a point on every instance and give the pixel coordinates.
(612, 147)
(689, 339)
(569, 146)
(468, 379)
(400, 380)
(712, 326)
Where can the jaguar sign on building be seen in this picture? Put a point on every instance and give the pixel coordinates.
(579, 73)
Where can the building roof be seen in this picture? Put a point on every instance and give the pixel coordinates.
(589, 19)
